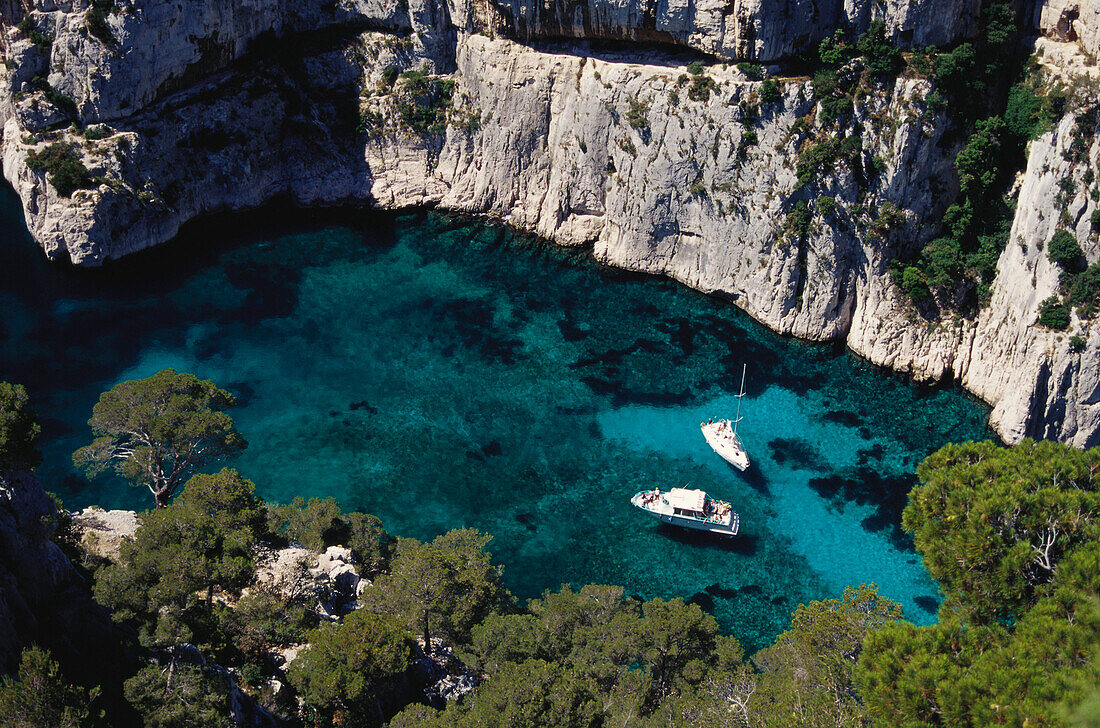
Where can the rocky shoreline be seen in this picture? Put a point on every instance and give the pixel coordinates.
(507, 110)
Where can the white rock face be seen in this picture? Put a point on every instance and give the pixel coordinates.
(286, 571)
(1056, 389)
(103, 532)
(1074, 21)
(338, 565)
(156, 47)
(624, 150)
(331, 578)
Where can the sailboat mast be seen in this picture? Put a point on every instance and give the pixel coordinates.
(739, 398)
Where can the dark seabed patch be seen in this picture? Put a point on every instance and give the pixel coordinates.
(704, 600)
(796, 453)
(872, 453)
(888, 496)
(929, 604)
(843, 417)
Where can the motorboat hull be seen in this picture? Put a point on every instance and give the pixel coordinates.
(693, 524)
(665, 515)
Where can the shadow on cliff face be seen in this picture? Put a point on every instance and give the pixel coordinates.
(45, 600)
(655, 49)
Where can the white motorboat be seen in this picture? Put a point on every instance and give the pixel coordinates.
(721, 435)
(689, 508)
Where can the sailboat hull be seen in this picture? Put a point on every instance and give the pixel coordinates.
(726, 445)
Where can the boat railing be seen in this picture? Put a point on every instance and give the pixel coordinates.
(704, 519)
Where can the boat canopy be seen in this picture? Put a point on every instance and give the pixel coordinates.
(689, 500)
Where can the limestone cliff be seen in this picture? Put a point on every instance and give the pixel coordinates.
(759, 30)
(503, 111)
(43, 599)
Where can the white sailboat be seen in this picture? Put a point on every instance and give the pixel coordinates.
(690, 509)
(721, 435)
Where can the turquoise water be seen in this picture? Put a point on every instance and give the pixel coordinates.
(443, 373)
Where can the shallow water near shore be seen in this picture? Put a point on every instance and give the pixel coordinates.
(441, 372)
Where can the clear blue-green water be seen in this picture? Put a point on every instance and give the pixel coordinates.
(443, 373)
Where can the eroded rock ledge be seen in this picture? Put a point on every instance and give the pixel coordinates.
(229, 104)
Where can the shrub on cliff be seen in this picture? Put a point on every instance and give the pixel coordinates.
(770, 92)
(1054, 314)
(835, 49)
(264, 618)
(701, 86)
(913, 281)
(180, 695)
(881, 56)
(1064, 250)
(29, 29)
(943, 263)
(19, 429)
(1084, 291)
(63, 167)
(638, 114)
(964, 259)
(529, 694)
(39, 697)
(442, 588)
(1024, 112)
(318, 523)
(348, 672)
(625, 661)
(164, 584)
(423, 102)
(754, 71)
(798, 221)
(96, 21)
(978, 166)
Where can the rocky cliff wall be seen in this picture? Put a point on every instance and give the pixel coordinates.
(757, 30)
(143, 51)
(659, 170)
(43, 599)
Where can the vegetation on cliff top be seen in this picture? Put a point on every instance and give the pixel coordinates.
(61, 163)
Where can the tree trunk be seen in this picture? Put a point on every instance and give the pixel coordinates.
(427, 636)
(163, 496)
